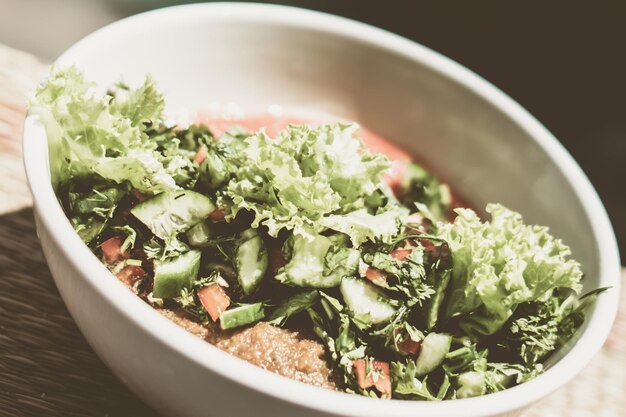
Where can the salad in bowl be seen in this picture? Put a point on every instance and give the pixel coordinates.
(312, 250)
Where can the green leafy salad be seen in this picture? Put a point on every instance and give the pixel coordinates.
(411, 299)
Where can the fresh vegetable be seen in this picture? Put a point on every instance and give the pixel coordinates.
(292, 306)
(170, 213)
(91, 134)
(309, 230)
(130, 274)
(214, 299)
(501, 264)
(367, 304)
(112, 249)
(174, 275)
(409, 346)
(200, 234)
(251, 261)
(318, 262)
(242, 315)
(310, 180)
(433, 351)
(420, 187)
(373, 374)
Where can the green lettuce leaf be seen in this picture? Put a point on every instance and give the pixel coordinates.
(141, 105)
(309, 180)
(93, 133)
(500, 264)
(362, 226)
(537, 329)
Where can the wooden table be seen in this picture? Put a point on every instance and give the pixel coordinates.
(47, 368)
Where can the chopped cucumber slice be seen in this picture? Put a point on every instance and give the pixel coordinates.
(436, 300)
(251, 261)
(170, 213)
(366, 303)
(200, 234)
(435, 347)
(172, 276)
(319, 263)
(471, 384)
(240, 316)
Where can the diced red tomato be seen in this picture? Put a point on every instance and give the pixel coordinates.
(376, 275)
(400, 253)
(435, 251)
(379, 377)
(410, 346)
(361, 372)
(216, 215)
(383, 382)
(112, 249)
(200, 155)
(130, 274)
(214, 299)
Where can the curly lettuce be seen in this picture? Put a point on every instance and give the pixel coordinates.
(104, 134)
(309, 180)
(501, 264)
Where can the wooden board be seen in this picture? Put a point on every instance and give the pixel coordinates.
(47, 368)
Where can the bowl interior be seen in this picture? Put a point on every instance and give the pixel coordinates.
(458, 125)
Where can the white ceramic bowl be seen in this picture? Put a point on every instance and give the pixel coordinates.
(256, 56)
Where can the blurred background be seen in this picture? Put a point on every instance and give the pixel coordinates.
(564, 61)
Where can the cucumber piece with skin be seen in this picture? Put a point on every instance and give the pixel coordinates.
(240, 316)
(366, 303)
(471, 384)
(173, 212)
(308, 266)
(172, 276)
(436, 300)
(200, 234)
(435, 347)
(251, 261)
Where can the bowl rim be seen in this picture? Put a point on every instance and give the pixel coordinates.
(208, 356)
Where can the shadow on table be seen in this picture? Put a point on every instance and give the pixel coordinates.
(46, 366)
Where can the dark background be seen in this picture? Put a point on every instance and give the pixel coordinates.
(563, 61)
